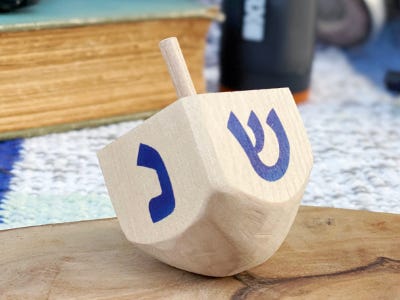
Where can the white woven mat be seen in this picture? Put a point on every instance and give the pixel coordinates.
(352, 122)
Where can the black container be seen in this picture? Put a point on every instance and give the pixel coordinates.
(268, 44)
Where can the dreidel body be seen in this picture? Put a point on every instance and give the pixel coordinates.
(212, 183)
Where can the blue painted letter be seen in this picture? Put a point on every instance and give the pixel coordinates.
(164, 204)
(269, 173)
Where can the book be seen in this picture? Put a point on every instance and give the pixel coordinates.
(71, 64)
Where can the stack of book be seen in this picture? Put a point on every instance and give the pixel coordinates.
(70, 64)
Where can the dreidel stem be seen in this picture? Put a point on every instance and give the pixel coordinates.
(172, 54)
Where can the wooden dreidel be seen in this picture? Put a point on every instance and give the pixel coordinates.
(212, 183)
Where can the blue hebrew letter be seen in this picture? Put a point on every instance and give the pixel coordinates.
(269, 173)
(164, 204)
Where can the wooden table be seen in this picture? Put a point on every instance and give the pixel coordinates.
(329, 254)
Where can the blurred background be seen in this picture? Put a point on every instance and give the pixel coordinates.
(340, 58)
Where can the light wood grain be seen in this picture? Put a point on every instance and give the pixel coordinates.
(62, 76)
(177, 68)
(226, 218)
(220, 204)
(328, 254)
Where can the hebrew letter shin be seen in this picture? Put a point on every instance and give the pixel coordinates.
(269, 173)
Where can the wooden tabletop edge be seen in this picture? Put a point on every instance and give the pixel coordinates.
(303, 208)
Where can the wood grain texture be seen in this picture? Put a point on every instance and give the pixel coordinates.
(223, 213)
(328, 254)
(60, 76)
(177, 68)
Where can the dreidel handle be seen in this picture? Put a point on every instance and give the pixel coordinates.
(177, 68)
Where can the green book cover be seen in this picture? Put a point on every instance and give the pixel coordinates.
(61, 13)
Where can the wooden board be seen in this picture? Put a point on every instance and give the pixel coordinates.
(329, 254)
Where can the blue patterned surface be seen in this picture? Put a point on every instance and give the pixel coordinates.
(9, 154)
